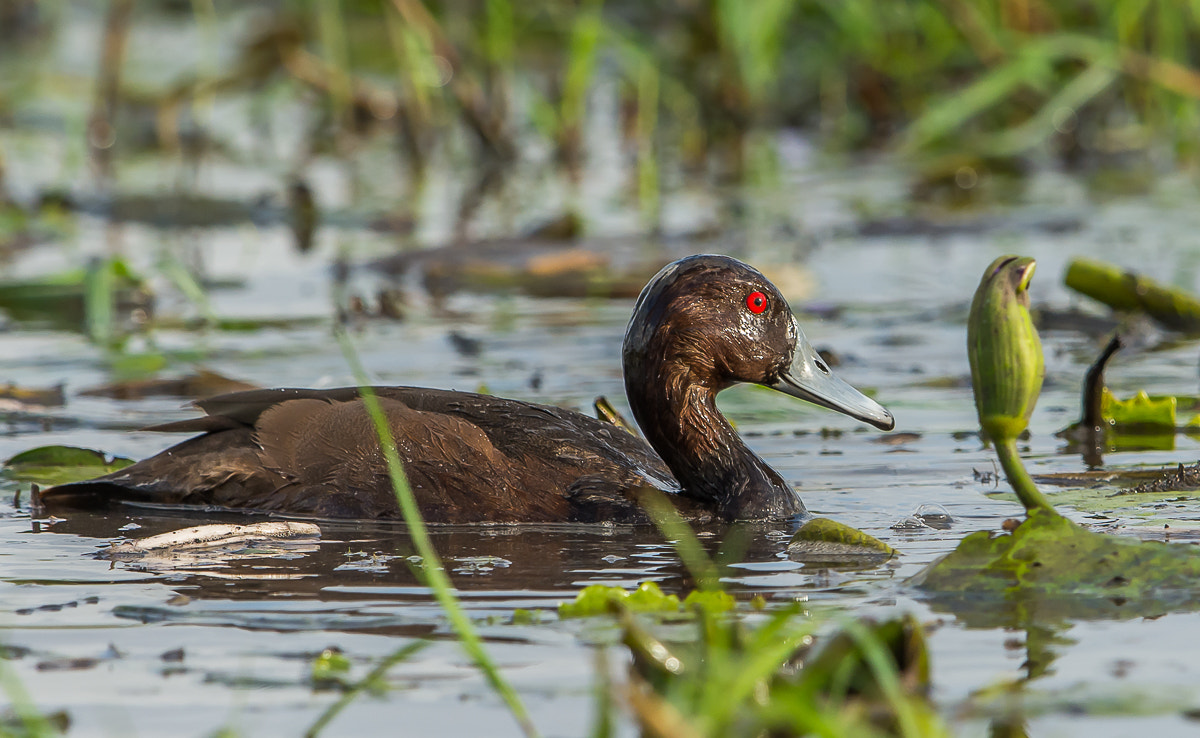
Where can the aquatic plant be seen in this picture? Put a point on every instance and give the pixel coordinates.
(719, 675)
(431, 564)
(1127, 292)
(1007, 367)
(603, 599)
(1045, 556)
(729, 678)
(52, 465)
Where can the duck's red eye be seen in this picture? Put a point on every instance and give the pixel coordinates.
(756, 301)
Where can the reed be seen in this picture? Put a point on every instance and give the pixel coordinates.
(431, 563)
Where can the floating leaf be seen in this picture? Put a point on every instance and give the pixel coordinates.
(331, 669)
(602, 599)
(1140, 411)
(78, 298)
(1048, 558)
(713, 600)
(62, 464)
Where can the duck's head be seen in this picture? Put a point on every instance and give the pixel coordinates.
(715, 322)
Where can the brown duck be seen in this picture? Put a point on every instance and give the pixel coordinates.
(702, 324)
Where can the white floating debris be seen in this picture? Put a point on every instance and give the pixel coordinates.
(216, 536)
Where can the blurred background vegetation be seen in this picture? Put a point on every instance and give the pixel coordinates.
(963, 91)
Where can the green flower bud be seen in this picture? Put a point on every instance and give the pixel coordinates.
(1004, 350)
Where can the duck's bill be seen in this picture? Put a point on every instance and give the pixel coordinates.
(810, 379)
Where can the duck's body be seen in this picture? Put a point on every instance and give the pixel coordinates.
(468, 458)
(703, 324)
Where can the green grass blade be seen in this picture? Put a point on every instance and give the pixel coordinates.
(22, 706)
(687, 545)
(435, 574)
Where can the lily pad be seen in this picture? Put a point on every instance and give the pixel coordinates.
(76, 298)
(1048, 557)
(61, 464)
(1139, 411)
(828, 541)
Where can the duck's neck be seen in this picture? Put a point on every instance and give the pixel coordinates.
(678, 413)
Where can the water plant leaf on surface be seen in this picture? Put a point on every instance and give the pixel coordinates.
(1129, 291)
(828, 541)
(61, 464)
(89, 299)
(330, 668)
(1050, 557)
(603, 599)
(1139, 411)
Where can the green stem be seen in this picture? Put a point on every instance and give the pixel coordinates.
(435, 574)
(1027, 492)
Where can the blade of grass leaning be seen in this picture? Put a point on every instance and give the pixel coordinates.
(727, 697)
(1075, 94)
(377, 673)
(173, 269)
(883, 668)
(1030, 68)
(34, 723)
(435, 574)
(666, 518)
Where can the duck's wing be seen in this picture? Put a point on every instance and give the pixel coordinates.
(468, 458)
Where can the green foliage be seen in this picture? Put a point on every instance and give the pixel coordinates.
(1007, 366)
(1047, 558)
(330, 668)
(1140, 412)
(61, 464)
(866, 679)
(603, 599)
(431, 563)
(1047, 561)
(1128, 291)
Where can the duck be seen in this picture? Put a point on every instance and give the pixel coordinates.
(703, 324)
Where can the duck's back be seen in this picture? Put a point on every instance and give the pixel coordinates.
(468, 458)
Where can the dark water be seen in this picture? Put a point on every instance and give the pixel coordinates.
(101, 639)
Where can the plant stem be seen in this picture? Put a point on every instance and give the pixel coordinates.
(435, 574)
(1027, 492)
